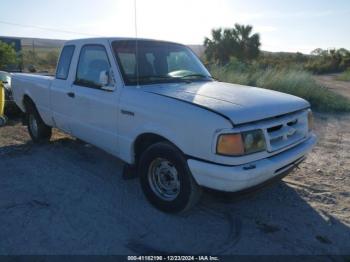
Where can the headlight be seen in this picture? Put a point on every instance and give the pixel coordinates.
(240, 144)
(254, 141)
(310, 120)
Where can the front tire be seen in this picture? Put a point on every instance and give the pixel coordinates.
(166, 179)
(38, 130)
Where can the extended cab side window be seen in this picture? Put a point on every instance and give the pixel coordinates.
(64, 63)
(92, 63)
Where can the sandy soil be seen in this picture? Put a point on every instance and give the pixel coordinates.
(67, 197)
(329, 81)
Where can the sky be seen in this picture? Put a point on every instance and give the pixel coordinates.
(283, 25)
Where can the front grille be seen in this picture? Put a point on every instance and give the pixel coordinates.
(285, 131)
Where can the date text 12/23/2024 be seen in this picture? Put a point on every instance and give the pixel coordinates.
(173, 258)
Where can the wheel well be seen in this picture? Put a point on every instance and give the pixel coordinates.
(28, 103)
(144, 141)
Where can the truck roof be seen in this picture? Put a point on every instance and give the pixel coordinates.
(111, 39)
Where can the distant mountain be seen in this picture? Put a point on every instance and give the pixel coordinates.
(198, 49)
(38, 42)
(45, 43)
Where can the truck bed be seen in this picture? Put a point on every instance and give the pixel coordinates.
(37, 87)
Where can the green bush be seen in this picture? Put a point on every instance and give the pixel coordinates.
(7, 56)
(322, 66)
(40, 60)
(291, 81)
(282, 60)
(345, 76)
(328, 61)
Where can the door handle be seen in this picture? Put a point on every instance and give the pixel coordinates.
(71, 94)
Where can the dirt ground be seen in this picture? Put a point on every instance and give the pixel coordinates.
(329, 81)
(67, 197)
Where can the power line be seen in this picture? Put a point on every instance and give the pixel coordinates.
(46, 28)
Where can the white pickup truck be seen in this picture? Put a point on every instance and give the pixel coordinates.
(155, 106)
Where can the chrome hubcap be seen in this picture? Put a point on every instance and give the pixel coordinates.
(163, 179)
(33, 125)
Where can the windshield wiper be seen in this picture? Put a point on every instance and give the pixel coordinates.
(157, 77)
(199, 75)
(152, 77)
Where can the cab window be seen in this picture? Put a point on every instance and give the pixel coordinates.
(93, 62)
(64, 63)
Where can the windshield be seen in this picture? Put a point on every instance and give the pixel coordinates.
(157, 62)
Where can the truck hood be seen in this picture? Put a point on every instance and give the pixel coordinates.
(241, 104)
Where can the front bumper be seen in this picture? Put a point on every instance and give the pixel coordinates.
(237, 178)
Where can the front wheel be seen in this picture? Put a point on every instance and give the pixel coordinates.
(166, 179)
(38, 130)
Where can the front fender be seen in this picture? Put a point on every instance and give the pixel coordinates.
(127, 143)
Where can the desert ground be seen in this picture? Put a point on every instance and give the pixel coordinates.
(67, 197)
(329, 81)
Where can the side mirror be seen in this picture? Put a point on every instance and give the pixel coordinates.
(104, 78)
(106, 81)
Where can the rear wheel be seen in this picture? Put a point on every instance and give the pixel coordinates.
(38, 130)
(166, 179)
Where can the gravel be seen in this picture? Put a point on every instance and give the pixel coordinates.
(67, 197)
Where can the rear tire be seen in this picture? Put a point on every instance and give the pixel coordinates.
(166, 179)
(38, 130)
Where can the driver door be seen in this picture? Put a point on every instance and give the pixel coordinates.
(95, 109)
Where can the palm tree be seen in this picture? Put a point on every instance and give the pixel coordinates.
(217, 48)
(248, 43)
(238, 41)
